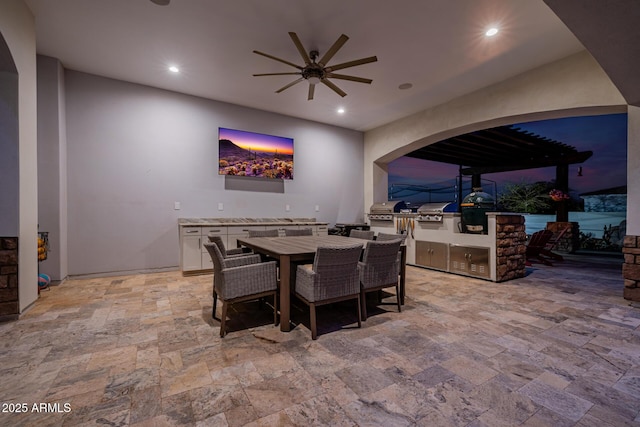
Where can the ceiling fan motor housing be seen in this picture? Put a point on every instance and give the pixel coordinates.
(313, 73)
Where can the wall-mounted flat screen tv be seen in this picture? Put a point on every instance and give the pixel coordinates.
(245, 153)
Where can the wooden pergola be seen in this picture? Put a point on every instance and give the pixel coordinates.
(503, 149)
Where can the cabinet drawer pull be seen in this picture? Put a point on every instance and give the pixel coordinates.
(192, 231)
(215, 231)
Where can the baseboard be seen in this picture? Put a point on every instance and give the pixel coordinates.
(122, 273)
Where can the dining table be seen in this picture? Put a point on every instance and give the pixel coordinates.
(295, 250)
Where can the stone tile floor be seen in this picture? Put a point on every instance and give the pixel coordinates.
(560, 347)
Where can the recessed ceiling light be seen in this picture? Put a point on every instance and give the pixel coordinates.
(174, 69)
(491, 32)
(340, 110)
(404, 86)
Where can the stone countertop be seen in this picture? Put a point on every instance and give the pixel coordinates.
(191, 222)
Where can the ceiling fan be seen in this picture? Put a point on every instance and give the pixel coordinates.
(316, 71)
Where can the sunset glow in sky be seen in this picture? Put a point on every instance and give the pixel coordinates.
(605, 135)
(257, 141)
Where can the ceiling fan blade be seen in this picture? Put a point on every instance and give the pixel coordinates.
(351, 64)
(278, 59)
(289, 85)
(275, 74)
(335, 88)
(312, 89)
(298, 43)
(352, 78)
(332, 50)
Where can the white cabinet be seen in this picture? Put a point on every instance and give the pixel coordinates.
(194, 257)
(220, 231)
(190, 249)
(205, 259)
(238, 232)
(281, 229)
(320, 230)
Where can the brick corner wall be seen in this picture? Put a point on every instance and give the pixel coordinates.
(631, 267)
(511, 240)
(9, 307)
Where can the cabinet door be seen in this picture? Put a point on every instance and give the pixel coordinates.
(469, 260)
(423, 253)
(439, 255)
(191, 253)
(478, 259)
(207, 262)
(432, 254)
(321, 230)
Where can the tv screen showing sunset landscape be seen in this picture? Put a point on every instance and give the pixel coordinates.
(243, 153)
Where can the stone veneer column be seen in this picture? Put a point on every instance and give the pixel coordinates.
(511, 247)
(631, 268)
(9, 308)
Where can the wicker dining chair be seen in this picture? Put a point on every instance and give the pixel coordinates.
(298, 232)
(379, 269)
(264, 233)
(227, 253)
(238, 279)
(332, 277)
(384, 237)
(362, 234)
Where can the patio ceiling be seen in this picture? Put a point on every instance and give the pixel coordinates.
(501, 149)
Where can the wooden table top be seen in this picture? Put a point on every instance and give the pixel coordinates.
(298, 245)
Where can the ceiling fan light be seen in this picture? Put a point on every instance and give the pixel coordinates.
(313, 80)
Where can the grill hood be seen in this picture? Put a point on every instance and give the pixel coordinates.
(437, 208)
(384, 211)
(432, 212)
(392, 206)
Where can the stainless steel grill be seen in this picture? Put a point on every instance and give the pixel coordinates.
(384, 211)
(432, 212)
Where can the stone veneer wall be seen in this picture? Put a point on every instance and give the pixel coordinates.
(570, 241)
(511, 240)
(9, 308)
(631, 268)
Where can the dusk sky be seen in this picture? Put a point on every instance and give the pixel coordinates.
(605, 135)
(257, 141)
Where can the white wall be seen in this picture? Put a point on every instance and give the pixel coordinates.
(52, 161)
(18, 29)
(134, 150)
(633, 171)
(9, 144)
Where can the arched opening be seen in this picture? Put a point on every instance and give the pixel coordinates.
(521, 165)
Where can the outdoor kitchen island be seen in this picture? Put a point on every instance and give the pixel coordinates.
(437, 242)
